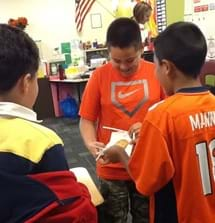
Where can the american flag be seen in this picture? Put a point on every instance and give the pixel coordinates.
(81, 10)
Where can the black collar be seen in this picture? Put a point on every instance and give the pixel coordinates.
(193, 89)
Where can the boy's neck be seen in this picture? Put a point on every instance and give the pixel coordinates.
(181, 80)
(187, 84)
(11, 97)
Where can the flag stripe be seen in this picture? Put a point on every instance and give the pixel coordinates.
(81, 6)
(77, 10)
(84, 15)
(81, 10)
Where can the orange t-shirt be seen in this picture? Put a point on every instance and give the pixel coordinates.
(176, 149)
(117, 101)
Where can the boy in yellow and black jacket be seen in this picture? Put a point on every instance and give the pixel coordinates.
(35, 182)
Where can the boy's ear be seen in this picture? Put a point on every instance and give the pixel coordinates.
(168, 68)
(25, 83)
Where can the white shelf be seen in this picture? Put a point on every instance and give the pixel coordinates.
(95, 49)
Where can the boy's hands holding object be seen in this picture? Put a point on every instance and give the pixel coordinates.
(134, 132)
(112, 154)
(119, 139)
(95, 147)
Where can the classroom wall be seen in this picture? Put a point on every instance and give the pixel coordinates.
(174, 10)
(104, 8)
(52, 21)
(49, 20)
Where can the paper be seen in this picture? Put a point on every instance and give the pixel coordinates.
(116, 136)
(84, 177)
(66, 47)
(96, 20)
(68, 58)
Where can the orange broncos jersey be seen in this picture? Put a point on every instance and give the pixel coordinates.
(174, 159)
(119, 102)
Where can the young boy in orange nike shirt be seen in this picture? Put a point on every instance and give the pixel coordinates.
(173, 161)
(118, 95)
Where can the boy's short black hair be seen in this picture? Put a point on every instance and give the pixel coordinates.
(19, 55)
(184, 45)
(123, 33)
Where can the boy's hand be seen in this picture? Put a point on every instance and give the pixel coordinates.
(134, 132)
(95, 147)
(111, 155)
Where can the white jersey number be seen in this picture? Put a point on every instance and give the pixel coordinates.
(205, 152)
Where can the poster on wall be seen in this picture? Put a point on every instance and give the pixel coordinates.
(202, 13)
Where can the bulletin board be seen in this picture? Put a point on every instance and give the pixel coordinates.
(202, 13)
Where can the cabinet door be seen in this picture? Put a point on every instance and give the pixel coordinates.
(44, 105)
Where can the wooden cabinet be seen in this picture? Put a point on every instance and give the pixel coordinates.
(44, 104)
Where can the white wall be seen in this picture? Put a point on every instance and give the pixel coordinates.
(104, 8)
(52, 21)
(204, 19)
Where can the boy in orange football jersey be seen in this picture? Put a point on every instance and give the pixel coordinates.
(174, 158)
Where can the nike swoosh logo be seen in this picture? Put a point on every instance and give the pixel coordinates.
(125, 95)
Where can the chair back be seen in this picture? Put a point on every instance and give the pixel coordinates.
(207, 75)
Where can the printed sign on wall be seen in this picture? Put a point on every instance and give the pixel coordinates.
(202, 13)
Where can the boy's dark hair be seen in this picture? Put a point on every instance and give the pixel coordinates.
(183, 44)
(19, 55)
(140, 9)
(123, 33)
